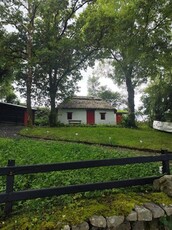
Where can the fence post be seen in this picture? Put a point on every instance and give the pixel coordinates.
(9, 188)
(165, 163)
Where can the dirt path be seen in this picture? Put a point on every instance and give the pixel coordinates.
(9, 130)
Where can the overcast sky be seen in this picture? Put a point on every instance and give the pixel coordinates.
(107, 81)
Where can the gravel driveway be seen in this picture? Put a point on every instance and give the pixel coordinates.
(9, 130)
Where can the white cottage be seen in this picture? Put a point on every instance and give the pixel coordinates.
(86, 110)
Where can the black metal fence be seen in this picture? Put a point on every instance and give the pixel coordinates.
(12, 170)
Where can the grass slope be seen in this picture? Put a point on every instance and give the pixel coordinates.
(138, 138)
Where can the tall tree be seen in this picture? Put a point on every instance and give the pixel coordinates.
(21, 15)
(47, 42)
(157, 98)
(135, 34)
(61, 51)
(6, 67)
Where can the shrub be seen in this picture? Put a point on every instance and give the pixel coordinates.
(42, 116)
(125, 121)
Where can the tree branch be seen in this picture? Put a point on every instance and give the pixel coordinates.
(34, 10)
(75, 66)
(23, 5)
(73, 11)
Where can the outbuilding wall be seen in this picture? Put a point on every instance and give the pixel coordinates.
(13, 114)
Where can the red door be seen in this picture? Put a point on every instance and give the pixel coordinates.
(25, 118)
(90, 117)
(118, 118)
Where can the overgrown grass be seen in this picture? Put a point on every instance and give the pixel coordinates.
(138, 138)
(26, 151)
(47, 213)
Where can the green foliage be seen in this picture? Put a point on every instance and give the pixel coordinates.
(27, 152)
(79, 210)
(6, 68)
(156, 197)
(42, 117)
(60, 50)
(116, 25)
(125, 121)
(157, 101)
(166, 221)
(21, 17)
(12, 98)
(48, 47)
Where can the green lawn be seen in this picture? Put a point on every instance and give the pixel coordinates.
(139, 138)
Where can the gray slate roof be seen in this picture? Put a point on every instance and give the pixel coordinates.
(85, 103)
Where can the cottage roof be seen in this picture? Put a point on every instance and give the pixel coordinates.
(82, 102)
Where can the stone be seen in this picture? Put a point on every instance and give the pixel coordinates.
(132, 216)
(167, 209)
(98, 221)
(154, 225)
(156, 210)
(164, 184)
(124, 226)
(143, 214)
(138, 225)
(94, 228)
(114, 221)
(156, 185)
(75, 227)
(65, 227)
(82, 226)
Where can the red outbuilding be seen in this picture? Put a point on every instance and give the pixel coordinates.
(119, 115)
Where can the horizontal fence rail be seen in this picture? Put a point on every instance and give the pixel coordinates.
(40, 168)
(11, 170)
(41, 193)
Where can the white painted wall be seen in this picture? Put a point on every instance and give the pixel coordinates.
(77, 114)
(110, 117)
(81, 114)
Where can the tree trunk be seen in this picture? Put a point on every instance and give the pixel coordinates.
(53, 111)
(29, 73)
(131, 105)
(29, 108)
